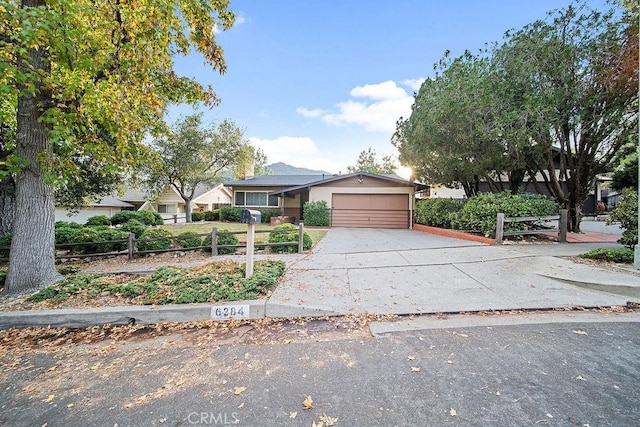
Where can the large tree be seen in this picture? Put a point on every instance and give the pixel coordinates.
(368, 162)
(194, 154)
(80, 69)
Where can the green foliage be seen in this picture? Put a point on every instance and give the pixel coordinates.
(197, 216)
(316, 214)
(291, 235)
(267, 214)
(223, 239)
(149, 217)
(145, 217)
(67, 270)
(97, 220)
(189, 239)
(134, 226)
(437, 212)
(111, 239)
(213, 215)
(5, 241)
(65, 231)
(161, 240)
(89, 284)
(479, 212)
(626, 174)
(619, 255)
(367, 162)
(230, 214)
(3, 275)
(627, 214)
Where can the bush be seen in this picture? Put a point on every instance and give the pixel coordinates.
(189, 239)
(197, 216)
(267, 214)
(86, 235)
(5, 241)
(108, 235)
(65, 231)
(479, 212)
(230, 214)
(149, 218)
(163, 242)
(627, 214)
(124, 216)
(134, 226)
(213, 215)
(290, 236)
(620, 255)
(437, 212)
(223, 239)
(316, 214)
(97, 220)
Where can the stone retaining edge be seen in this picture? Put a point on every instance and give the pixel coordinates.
(455, 234)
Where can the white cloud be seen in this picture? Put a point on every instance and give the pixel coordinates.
(383, 104)
(298, 151)
(304, 112)
(414, 83)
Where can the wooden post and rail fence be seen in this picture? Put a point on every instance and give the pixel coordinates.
(537, 224)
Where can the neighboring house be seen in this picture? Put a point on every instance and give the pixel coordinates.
(358, 199)
(168, 203)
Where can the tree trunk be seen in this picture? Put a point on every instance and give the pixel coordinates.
(32, 255)
(187, 209)
(7, 200)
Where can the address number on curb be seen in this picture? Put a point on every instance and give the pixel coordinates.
(230, 311)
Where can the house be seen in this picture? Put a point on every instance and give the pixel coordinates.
(168, 203)
(358, 199)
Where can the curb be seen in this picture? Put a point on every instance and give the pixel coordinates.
(445, 232)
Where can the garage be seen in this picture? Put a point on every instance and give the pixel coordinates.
(370, 210)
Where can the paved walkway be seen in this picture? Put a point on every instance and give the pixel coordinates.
(405, 272)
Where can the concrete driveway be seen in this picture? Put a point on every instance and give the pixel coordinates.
(408, 272)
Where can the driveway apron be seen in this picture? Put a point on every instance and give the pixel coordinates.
(380, 271)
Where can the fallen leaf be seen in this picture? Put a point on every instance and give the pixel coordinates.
(307, 403)
(241, 405)
(579, 332)
(49, 398)
(70, 405)
(453, 412)
(96, 366)
(411, 358)
(53, 368)
(415, 369)
(549, 415)
(238, 390)
(449, 362)
(498, 393)
(293, 414)
(314, 424)
(461, 335)
(328, 421)
(581, 378)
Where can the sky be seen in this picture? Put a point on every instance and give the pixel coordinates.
(314, 83)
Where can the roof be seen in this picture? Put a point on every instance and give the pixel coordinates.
(388, 177)
(278, 180)
(112, 202)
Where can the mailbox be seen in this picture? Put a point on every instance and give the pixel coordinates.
(249, 216)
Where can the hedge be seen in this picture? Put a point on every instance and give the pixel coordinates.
(437, 212)
(155, 245)
(316, 214)
(291, 236)
(223, 239)
(230, 214)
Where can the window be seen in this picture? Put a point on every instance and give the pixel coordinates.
(255, 198)
(167, 209)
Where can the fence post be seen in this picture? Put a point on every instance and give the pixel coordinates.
(131, 245)
(562, 235)
(175, 218)
(214, 241)
(499, 228)
(300, 238)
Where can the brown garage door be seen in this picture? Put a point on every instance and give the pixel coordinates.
(370, 210)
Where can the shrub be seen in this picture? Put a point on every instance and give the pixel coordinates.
(109, 236)
(437, 212)
(231, 214)
(620, 255)
(163, 240)
(67, 224)
(627, 214)
(289, 236)
(5, 241)
(3, 277)
(197, 216)
(213, 215)
(479, 212)
(223, 239)
(267, 214)
(189, 239)
(316, 214)
(65, 231)
(85, 238)
(89, 284)
(97, 220)
(124, 216)
(134, 226)
(149, 218)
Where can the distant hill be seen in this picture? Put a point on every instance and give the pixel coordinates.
(285, 169)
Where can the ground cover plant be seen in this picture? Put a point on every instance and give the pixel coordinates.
(213, 282)
(619, 255)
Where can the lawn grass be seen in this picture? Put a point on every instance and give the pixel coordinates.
(316, 234)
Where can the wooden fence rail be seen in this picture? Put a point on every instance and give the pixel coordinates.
(536, 223)
(132, 242)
